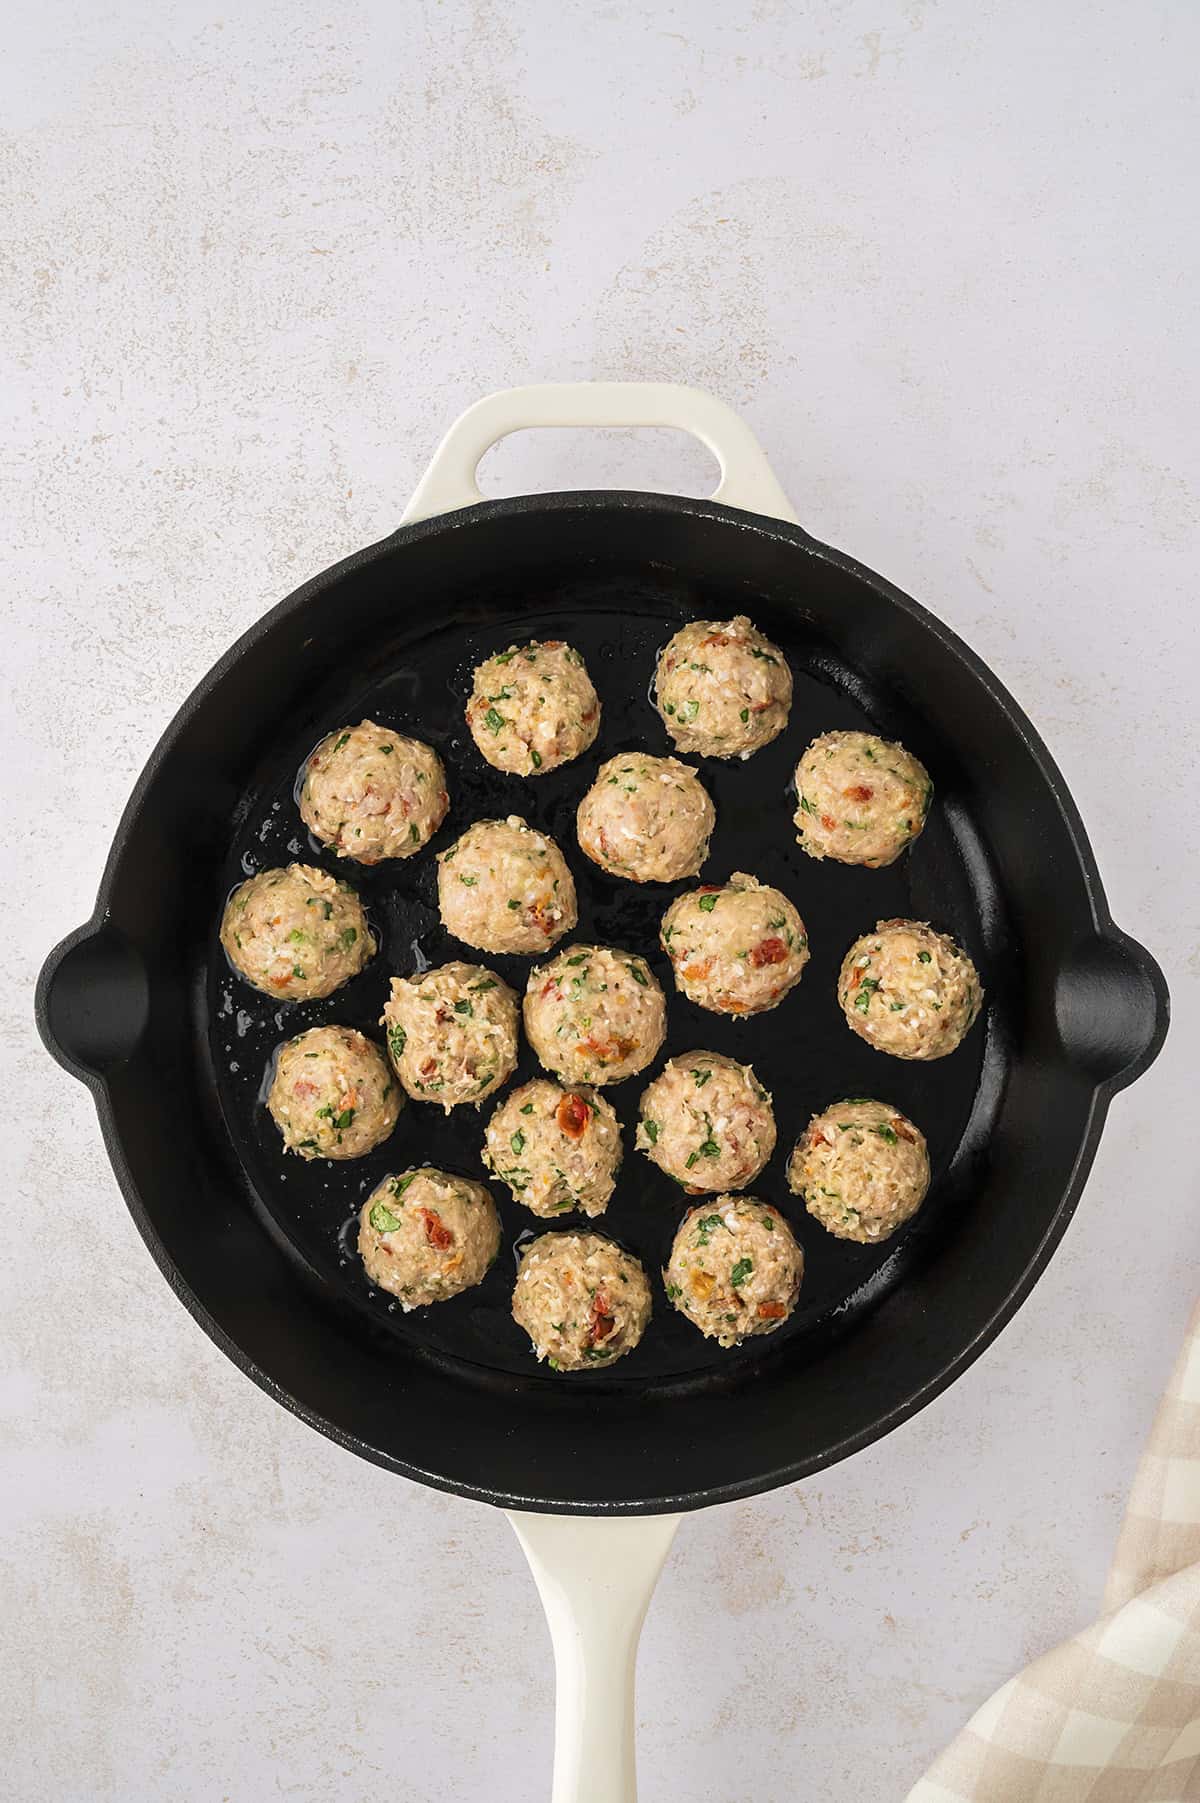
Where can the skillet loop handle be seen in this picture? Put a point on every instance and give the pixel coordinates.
(747, 479)
(595, 1575)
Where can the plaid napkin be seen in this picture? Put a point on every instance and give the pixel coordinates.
(1112, 1716)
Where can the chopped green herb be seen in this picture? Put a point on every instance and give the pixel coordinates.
(580, 958)
(468, 882)
(528, 1108)
(887, 1134)
(382, 1219)
(396, 1037)
(505, 657)
(387, 750)
(296, 971)
(925, 957)
(650, 1129)
(493, 720)
(344, 1119)
(347, 937)
(345, 736)
(464, 1007)
(706, 1225)
(534, 758)
(689, 709)
(517, 1142)
(866, 990)
(707, 903)
(513, 902)
(414, 831)
(639, 975)
(701, 1077)
(673, 1290)
(740, 1272)
(744, 715)
(764, 655)
(483, 983)
(768, 1222)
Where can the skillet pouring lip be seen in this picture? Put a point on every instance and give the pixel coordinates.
(94, 999)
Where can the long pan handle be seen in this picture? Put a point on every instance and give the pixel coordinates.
(595, 1575)
(747, 479)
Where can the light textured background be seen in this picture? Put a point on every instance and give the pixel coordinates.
(940, 255)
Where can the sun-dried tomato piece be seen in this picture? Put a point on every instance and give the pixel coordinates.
(600, 1321)
(768, 951)
(771, 1311)
(858, 792)
(436, 1231)
(573, 1115)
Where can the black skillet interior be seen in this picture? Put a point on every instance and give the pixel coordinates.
(417, 680)
(262, 1246)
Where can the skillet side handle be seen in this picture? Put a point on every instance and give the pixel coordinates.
(1112, 1007)
(747, 480)
(595, 1575)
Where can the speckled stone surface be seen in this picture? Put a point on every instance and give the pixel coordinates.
(258, 259)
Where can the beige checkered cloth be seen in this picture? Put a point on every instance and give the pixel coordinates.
(1112, 1716)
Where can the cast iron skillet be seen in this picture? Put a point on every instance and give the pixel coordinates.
(140, 1005)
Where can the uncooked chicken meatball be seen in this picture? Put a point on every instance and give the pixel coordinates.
(297, 934)
(452, 1033)
(594, 1015)
(722, 688)
(735, 1269)
(557, 1149)
(425, 1236)
(581, 1299)
(504, 887)
(908, 990)
(333, 1095)
(862, 799)
(707, 1122)
(735, 949)
(369, 793)
(648, 819)
(533, 708)
(862, 1168)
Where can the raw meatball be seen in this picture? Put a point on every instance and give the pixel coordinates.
(908, 990)
(581, 1299)
(533, 708)
(594, 1015)
(723, 689)
(862, 799)
(371, 794)
(424, 1236)
(707, 1122)
(296, 934)
(557, 1149)
(736, 949)
(333, 1095)
(452, 1033)
(505, 888)
(648, 819)
(862, 1168)
(735, 1268)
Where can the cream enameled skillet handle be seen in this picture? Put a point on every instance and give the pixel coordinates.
(596, 1576)
(746, 477)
